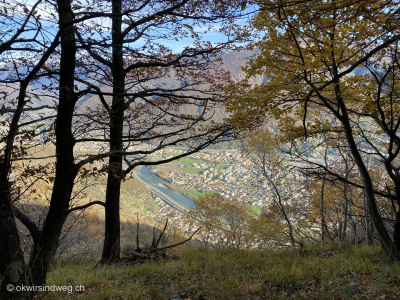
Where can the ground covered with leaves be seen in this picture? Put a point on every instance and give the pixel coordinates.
(338, 273)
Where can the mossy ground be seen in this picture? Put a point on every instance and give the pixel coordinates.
(238, 274)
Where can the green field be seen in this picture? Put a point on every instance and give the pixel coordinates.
(193, 193)
(254, 210)
(187, 161)
(191, 170)
(222, 167)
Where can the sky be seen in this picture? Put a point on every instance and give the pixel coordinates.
(46, 11)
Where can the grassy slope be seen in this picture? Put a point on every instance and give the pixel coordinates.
(238, 274)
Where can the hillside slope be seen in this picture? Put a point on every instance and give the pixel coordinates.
(346, 273)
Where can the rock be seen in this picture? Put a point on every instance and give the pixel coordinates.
(174, 296)
(200, 296)
(352, 287)
(191, 289)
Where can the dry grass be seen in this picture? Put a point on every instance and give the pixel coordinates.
(238, 274)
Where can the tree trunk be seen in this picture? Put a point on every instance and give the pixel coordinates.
(111, 248)
(386, 241)
(345, 214)
(66, 171)
(396, 234)
(322, 215)
(366, 223)
(344, 118)
(12, 265)
(342, 233)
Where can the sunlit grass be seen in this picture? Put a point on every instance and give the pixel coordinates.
(237, 274)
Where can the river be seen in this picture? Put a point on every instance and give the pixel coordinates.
(146, 176)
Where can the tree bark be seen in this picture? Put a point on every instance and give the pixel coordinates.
(12, 264)
(66, 171)
(323, 225)
(386, 241)
(12, 267)
(345, 213)
(344, 118)
(111, 248)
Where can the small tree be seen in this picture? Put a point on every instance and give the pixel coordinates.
(223, 223)
(152, 96)
(263, 151)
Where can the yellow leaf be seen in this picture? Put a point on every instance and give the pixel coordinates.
(370, 106)
(45, 68)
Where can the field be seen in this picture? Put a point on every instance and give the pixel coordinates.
(254, 210)
(168, 167)
(194, 193)
(222, 167)
(191, 170)
(187, 161)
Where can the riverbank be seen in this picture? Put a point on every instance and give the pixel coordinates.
(165, 191)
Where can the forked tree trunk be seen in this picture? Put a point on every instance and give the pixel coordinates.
(12, 264)
(387, 242)
(42, 254)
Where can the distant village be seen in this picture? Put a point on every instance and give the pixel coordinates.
(226, 172)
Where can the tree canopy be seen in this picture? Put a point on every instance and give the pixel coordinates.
(331, 69)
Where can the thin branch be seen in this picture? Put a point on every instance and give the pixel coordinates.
(85, 206)
(172, 246)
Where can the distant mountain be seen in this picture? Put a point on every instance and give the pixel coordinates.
(47, 93)
(233, 61)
